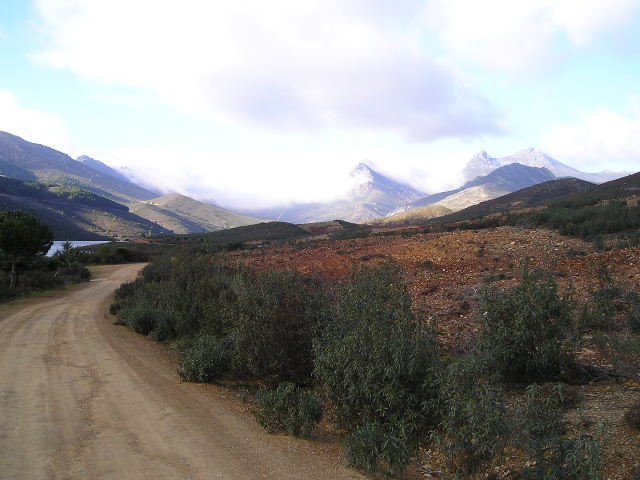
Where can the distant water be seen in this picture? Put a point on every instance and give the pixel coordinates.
(57, 244)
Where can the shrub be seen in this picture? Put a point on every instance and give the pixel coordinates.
(525, 330)
(379, 449)
(582, 459)
(141, 317)
(290, 409)
(601, 310)
(621, 350)
(271, 337)
(375, 362)
(632, 417)
(372, 357)
(162, 329)
(633, 315)
(205, 359)
(541, 427)
(474, 423)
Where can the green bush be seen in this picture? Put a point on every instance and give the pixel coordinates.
(601, 310)
(162, 329)
(272, 334)
(474, 419)
(633, 314)
(582, 459)
(632, 417)
(205, 359)
(541, 428)
(288, 408)
(141, 317)
(380, 449)
(375, 362)
(525, 330)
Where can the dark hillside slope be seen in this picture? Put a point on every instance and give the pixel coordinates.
(260, 232)
(73, 213)
(530, 197)
(29, 161)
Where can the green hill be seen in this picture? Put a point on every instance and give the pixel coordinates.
(182, 214)
(73, 213)
(531, 197)
(30, 162)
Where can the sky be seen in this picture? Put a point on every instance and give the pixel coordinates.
(252, 104)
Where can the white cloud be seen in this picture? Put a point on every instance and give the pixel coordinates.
(32, 125)
(236, 177)
(524, 35)
(282, 64)
(600, 140)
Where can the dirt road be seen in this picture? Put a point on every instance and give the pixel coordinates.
(83, 398)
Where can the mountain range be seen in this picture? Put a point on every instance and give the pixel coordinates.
(374, 195)
(182, 214)
(141, 210)
(483, 164)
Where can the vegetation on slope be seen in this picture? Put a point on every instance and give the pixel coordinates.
(382, 375)
(29, 161)
(73, 213)
(182, 214)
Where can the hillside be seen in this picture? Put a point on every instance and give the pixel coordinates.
(414, 215)
(530, 197)
(625, 188)
(499, 182)
(257, 233)
(594, 212)
(73, 213)
(182, 214)
(29, 161)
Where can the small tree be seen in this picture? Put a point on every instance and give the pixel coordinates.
(66, 254)
(22, 238)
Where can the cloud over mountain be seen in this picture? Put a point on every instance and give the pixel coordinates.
(281, 64)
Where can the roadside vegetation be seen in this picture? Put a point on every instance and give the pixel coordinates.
(355, 355)
(24, 242)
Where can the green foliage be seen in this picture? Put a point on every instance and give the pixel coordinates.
(22, 239)
(582, 459)
(204, 359)
(271, 336)
(373, 358)
(289, 408)
(525, 330)
(266, 319)
(579, 220)
(474, 421)
(541, 427)
(375, 362)
(632, 416)
(140, 317)
(380, 449)
(621, 350)
(633, 315)
(601, 310)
